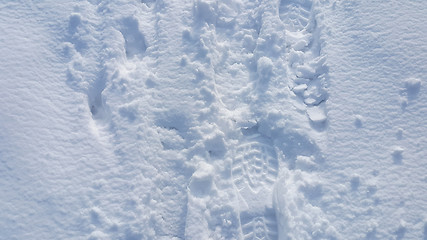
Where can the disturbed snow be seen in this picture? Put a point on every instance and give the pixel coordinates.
(290, 119)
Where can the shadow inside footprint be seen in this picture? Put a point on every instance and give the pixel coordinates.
(76, 32)
(294, 144)
(135, 44)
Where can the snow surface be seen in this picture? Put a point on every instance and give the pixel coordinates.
(239, 119)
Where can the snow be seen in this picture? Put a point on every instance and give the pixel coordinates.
(287, 119)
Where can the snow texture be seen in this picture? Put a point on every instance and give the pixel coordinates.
(205, 119)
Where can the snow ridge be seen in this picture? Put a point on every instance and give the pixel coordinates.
(263, 66)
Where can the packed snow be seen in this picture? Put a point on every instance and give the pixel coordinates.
(204, 119)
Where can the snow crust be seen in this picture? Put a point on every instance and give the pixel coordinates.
(204, 119)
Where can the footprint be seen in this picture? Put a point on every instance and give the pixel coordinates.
(255, 164)
(295, 14)
(76, 31)
(256, 227)
(254, 172)
(135, 44)
(307, 68)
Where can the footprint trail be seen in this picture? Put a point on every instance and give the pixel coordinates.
(264, 79)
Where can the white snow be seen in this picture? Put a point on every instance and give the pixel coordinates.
(204, 119)
(316, 114)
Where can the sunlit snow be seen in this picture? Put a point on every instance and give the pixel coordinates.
(204, 119)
